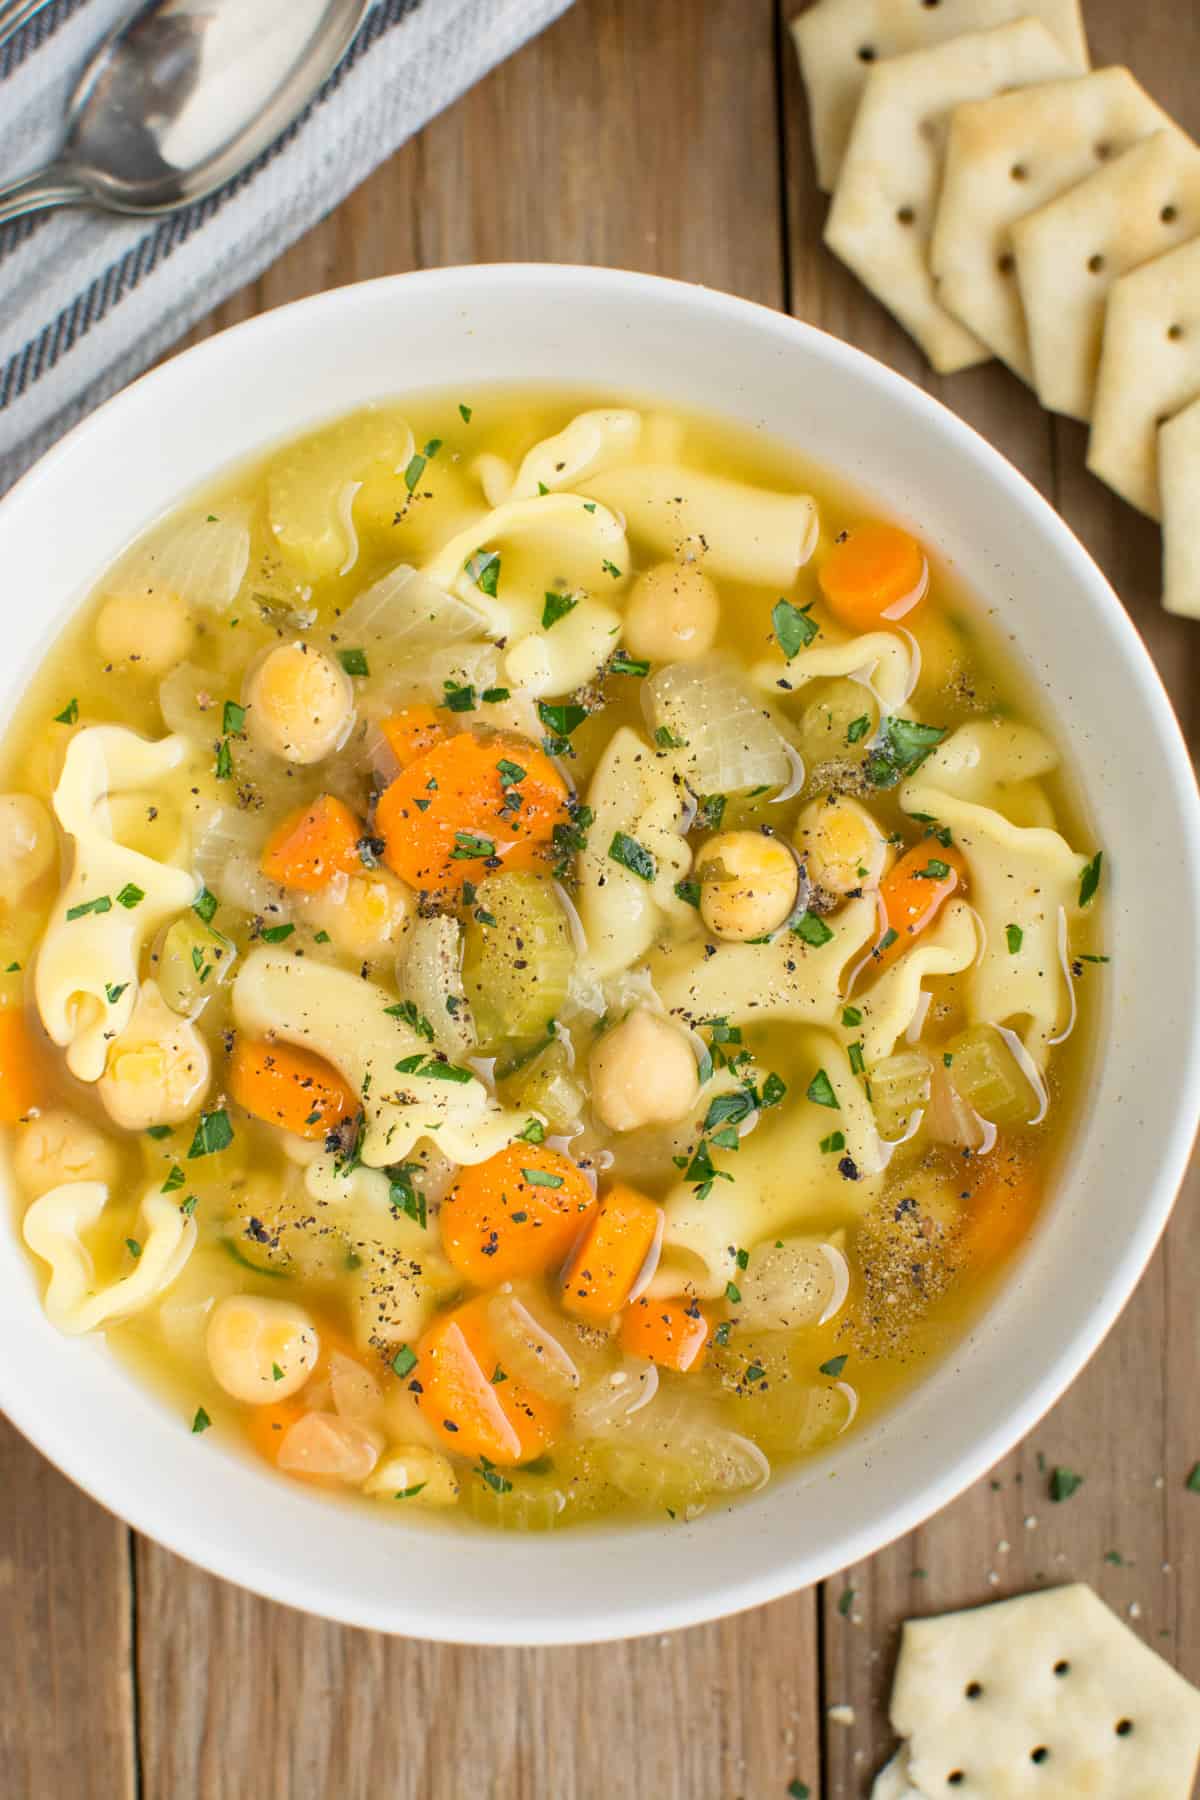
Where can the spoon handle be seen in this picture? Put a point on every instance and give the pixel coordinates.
(13, 14)
(51, 186)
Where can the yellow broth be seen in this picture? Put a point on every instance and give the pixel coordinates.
(918, 1265)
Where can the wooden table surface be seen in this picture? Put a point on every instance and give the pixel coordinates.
(666, 135)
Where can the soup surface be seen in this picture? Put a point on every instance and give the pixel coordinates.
(541, 955)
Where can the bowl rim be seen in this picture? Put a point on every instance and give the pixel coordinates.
(725, 1593)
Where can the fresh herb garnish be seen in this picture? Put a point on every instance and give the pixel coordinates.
(1089, 881)
(201, 1421)
(484, 570)
(411, 1015)
(632, 856)
(666, 739)
(794, 626)
(275, 934)
(812, 930)
(688, 892)
(610, 568)
(541, 1178)
(114, 990)
(1013, 937)
(835, 1141)
(458, 699)
(556, 607)
(213, 1133)
(404, 1361)
(469, 848)
(621, 663)
(465, 412)
(354, 662)
(223, 768)
(851, 1017)
(834, 1366)
(204, 905)
(101, 904)
(69, 713)
(534, 1133)
(820, 1091)
(858, 728)
(499, 1484)
(404, 1197)
(934, 870)
(903, 745)
(233, 719)
(710, 812)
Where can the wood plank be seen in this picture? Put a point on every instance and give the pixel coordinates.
(1120, 1423)
(66, 1725)
(638, 134)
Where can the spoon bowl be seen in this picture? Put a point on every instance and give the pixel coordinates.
(182, 97)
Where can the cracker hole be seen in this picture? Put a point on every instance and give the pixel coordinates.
(1174, 332)
(906, 216)
(1103, 151)
(1169, 214)
(1161, 421)
(1040, 1755)
(1019, 172)
(866, 54)
(955, 1778)
(1095, 264)
(1062, 1667)
(1006, 263)
(930, 4)
(973, 1690)
(1123, 1727)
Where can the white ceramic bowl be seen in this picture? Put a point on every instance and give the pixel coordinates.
(279, 374)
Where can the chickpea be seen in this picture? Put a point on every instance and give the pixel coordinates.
(672, 614)
(749, 884)
(27, 845)
(643, 1073)
(300, 704)
(56, 1146)
(365, 916)
(153, 632)
(158, 1068)
(260, 1350)
(408, 1467)
(841, 845)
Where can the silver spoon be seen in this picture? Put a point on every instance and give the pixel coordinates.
(182, 96)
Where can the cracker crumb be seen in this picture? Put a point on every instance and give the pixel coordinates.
(1031, 1522)
(1135, 1611)
(841, 1714)
(1003, 1547)
(993, 1578)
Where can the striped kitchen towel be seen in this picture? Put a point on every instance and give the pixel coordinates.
(87, 301)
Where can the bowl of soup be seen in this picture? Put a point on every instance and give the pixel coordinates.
(598, 955)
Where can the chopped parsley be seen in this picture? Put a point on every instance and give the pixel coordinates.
(404, 1361)
(493, 696)
(794, 626)
(632, 856)
(354, 662)
(710, 812)
(133, 1247)
(834, 1366)
(534, 1133)
(541, 1178)
(688, 892)
(1013, 937)
(458, 699)
(213, 1133)
(175, 1180)
(158, 1131)
(404, 1197)
(1089, 881)
(858, 728)
(484, 570)
(621, 663)
(114, 990)
(69, 713)
(733, 1292)
(432, 1068)
(411, 1015)
(233, 719)
(851, 1017)
(820, 1091)
(812, 930)
(835, 1141)
(903, 745)
(934, 870)
(468, 847)
(610, 568)
(223, 769)
(1063, 1483)
(666, 739)
(410, 1493)
(101, 904)
(464, 413)
(511, 774)
(855, 1054)
(200, 1422)
(276, 1372)
(556, 607)
(204, 905)
(560, 721)
(276, 934)
(488, 1472)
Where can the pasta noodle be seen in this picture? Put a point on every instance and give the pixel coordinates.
(632, 792)
(885, 662)
(52, 1228)
(86, 979)
(895, 998)
(735, 532)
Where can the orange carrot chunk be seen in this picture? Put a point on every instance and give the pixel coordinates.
(468, 807)
(876, 574)
(672, 1333)
(412, 731)
(288, 1086)
(23, 1069)
(913, 893)
(475, 1407)
(1003, 1205)
(312, 845)
(611, 1254)
(516, 1214)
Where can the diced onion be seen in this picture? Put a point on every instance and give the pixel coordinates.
(356, 1393)
(730, 742)
(345, 517)
(528, 1351)
(405, 608)
(608, 1404)
(201, 561)
(430, 974)
(321, 1443)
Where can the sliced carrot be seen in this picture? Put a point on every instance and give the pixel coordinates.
(288, 1086)
(875, 574)
(672, 1333)
(611, 1254)
(913, 892)
(516, 1214)
(23, 1067)
(409, 733)
(312, 845)
(472, 1413)
(1003, 1204)
(456, 815)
